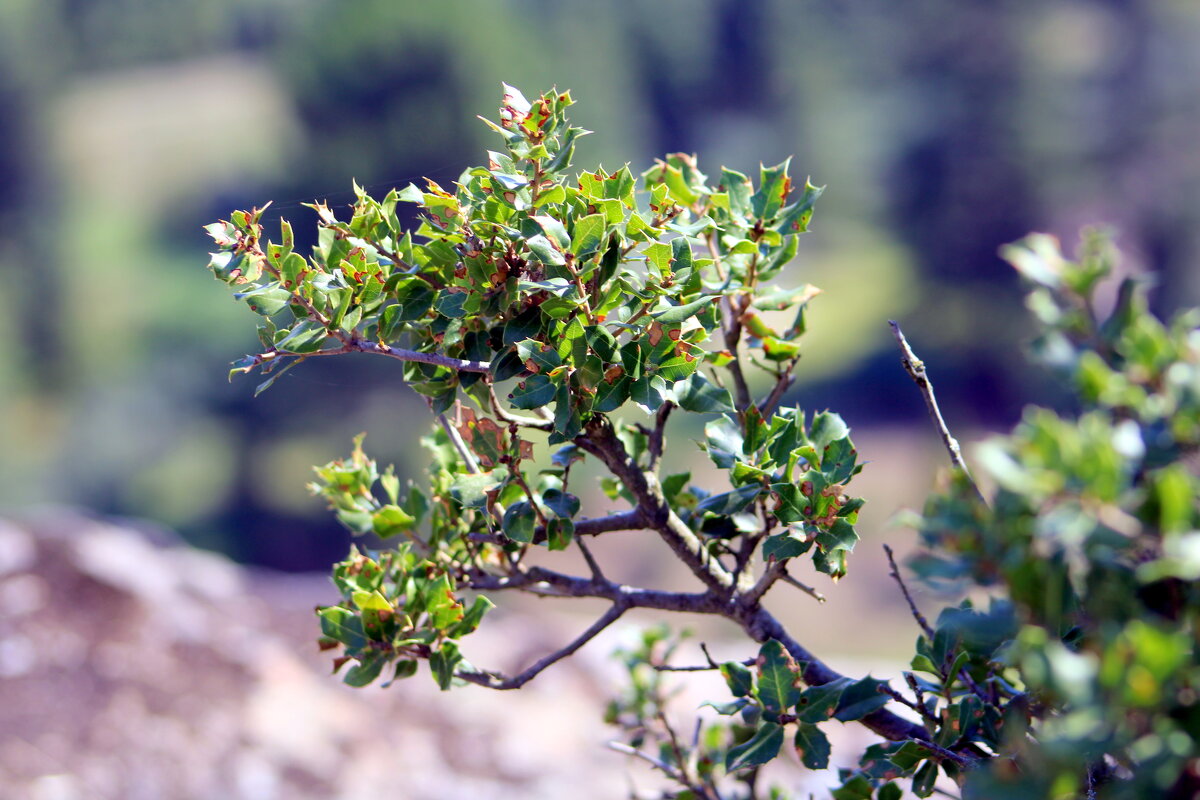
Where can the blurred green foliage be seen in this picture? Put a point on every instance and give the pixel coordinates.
(947, 130)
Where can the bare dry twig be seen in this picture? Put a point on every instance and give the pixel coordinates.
(915, 368)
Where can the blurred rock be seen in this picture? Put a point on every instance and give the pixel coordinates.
(134, 667)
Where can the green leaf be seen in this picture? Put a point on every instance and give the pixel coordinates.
(471, 619)
(772, 190)
(738, 188)
(563, 504)
(554, 231)
(267, 300)
(573, 346)
(559, 533)
(443, 662)
(701, 396)
(724, 439)
(683, 312)
(925, 779)
(451, 304)
(784, 545)
(739, 678)
(545, 251)
(538, 357)
(812, 746)
(391, 520)
(611, 396)
(659, 255)
(343, 625)
(777, 676)
(588, 235)
(526, 325)
(794, 218)
(728, 503)
(471, 489)
(860, 699)
(602, 342)
(649, 392)
(534, 392)
(819, 703)
(839, 536)
(520, 522)
(758, 750)
(365, 670)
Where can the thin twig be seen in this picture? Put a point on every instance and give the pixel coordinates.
(902, 700)
(399, 353)
(912, 606)
(804, 587)
(943, 753)
(495, 681)
(467, 456)
(749, 662)
(782, 384)
(514, 419)
(666, 768)
(593, 565)
(963, 675)
(655, 445)
(915, 368)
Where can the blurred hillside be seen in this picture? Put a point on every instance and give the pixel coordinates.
(942, 128)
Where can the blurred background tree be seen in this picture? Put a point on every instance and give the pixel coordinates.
(942, 128)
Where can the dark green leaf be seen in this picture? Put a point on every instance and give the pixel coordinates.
(739, 677)
(683, 312)
(470, 489)
(860, 699)
(728, 503)
(819, 703)
(812, 746)
(724, 439)
(588, 235)
(777, 676)
(784, 545)
(544, 251)
(534, 392)
(520, 521)
(443, 662)
(758, 750)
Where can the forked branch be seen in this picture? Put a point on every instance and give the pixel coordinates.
(494, 680)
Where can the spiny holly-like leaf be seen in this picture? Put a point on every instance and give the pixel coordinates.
(812, 746)
(739, 677)
(861, 698)
(758, 750)
(777, 676)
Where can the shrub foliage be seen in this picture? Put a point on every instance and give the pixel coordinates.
(552, 318)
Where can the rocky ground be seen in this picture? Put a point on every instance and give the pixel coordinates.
(134, 667)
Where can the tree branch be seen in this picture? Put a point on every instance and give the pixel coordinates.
(760, 625)
(511, 418)
(435, 359)
(915, 368)
(912, 606)
(774, 571)
(655, 445)
(600, 440)
(459, 445)
(804, 587)
(494, 680)
(361, 346)
(537, 580)
(621, 521)
(782, 384)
